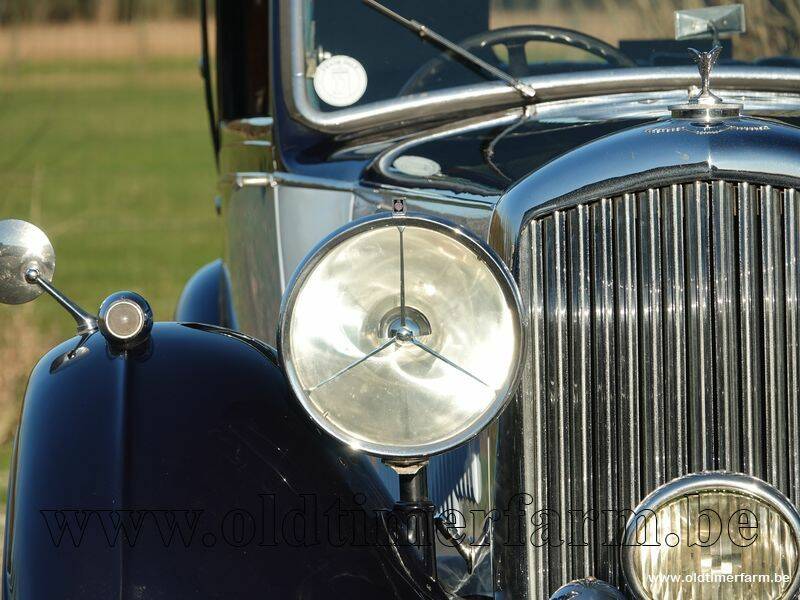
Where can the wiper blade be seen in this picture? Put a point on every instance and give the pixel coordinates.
(426, 32)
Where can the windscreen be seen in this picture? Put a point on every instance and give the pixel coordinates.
(356, 55)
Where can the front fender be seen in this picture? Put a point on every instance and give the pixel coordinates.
(206, 297)
(186, 469)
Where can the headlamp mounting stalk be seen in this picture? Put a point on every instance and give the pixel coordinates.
(416, 522)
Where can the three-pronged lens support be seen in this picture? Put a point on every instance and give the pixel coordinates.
(402, 335)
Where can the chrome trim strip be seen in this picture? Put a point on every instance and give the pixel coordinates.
(243, 180)
(278, 178)
(279, 239)
(705, 482)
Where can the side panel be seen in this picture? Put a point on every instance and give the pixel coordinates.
(269, 230)
(252, 255)
(188, 470)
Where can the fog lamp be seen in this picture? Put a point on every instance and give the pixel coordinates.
(402, 335)
(713, 535)
(125, 319)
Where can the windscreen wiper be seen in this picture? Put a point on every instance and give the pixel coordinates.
(427, 33)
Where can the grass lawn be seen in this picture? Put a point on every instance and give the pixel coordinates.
(113, 160)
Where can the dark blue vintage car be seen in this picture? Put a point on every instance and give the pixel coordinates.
(505, 311)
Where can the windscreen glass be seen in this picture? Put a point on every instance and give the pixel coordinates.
(356, 55)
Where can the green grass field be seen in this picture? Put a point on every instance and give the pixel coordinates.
(113, 160)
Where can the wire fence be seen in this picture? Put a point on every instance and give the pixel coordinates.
(99, 42)
(124, 28)
(60, 11)
(98, 30)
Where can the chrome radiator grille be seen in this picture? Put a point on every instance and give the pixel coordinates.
(665, 339)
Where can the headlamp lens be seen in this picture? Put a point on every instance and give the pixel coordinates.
(401, 336)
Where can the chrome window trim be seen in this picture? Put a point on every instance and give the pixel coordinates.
(464, 236)
(695, 483)
(495, 94)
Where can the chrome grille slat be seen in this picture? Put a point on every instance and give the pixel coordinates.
(675, 404)
(774, 350)
(580, 368)
(725, 327)
(666, 339)
(791, 213)
(627, 304)
(651, 327)
(534, 409)
(700, 343)
(750, 330)
(604, 377)
(558, 403)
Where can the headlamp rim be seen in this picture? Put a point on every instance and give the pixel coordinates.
(708, 481)
(388, 219)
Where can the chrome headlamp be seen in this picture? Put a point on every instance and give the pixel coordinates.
(402, 335)
(713, 535)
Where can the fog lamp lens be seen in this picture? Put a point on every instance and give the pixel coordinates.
(124, 319)
(713, 535)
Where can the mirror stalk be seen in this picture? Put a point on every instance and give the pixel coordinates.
(86, 322)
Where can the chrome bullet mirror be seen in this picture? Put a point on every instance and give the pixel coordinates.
(23, 247)
(27, 264)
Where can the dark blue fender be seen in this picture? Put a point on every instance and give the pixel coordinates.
(206, 298)
(185, 469)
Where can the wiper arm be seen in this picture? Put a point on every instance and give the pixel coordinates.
(426, 32)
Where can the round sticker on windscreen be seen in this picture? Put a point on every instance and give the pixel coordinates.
(340, 81)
